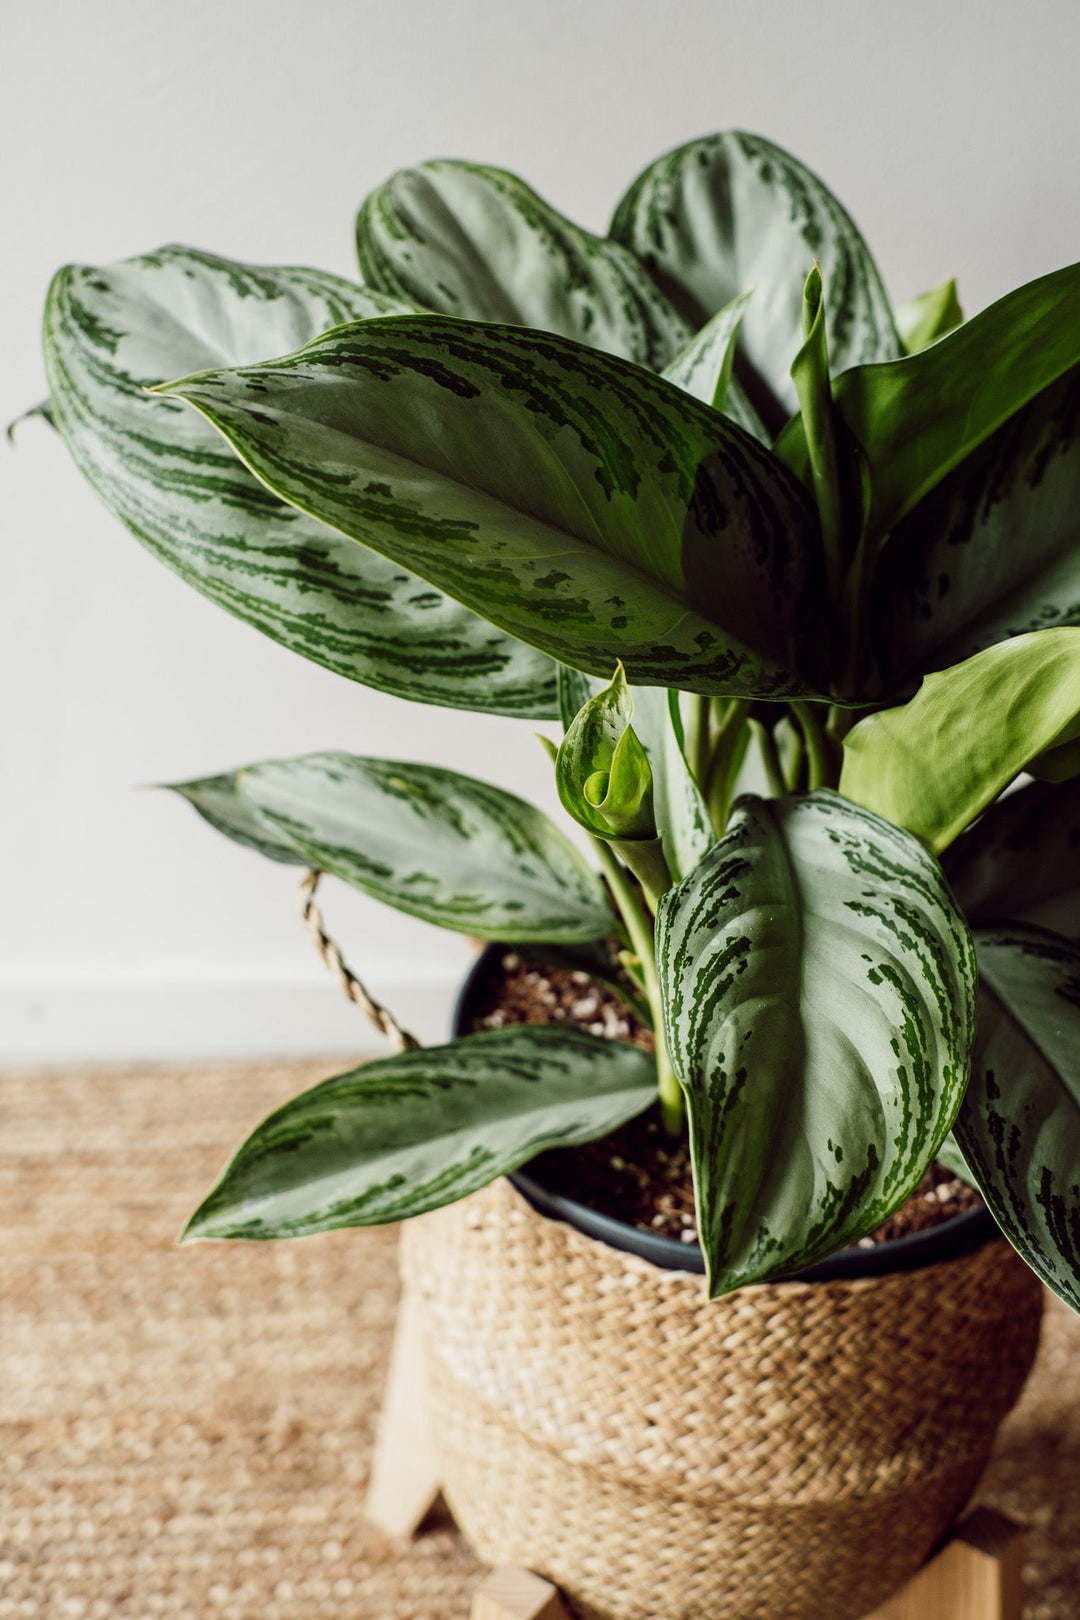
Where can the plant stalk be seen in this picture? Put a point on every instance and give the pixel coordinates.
(770, 758)
(639, 929)
(823, 770)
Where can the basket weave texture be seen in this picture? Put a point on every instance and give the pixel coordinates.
(790, 1452)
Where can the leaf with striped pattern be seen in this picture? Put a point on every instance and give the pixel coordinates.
(917, 418)
(991, 552)
(1020, 862)
(439, 845)
(414, 1132)
(466, 239)
(933, 764)
(705, 368)
(111, 332)
(818, 985)
(1019, 1126)
(729, 212)
(581, 503)
(221, 803)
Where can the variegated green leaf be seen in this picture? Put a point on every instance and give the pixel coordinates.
(466, 239)
(730, 212)
(221, 802)
(917, 418)
(933, 764)
(413, 1132)
(922, 320)
(1019, 1127)
(583, 504)
(819, 991)
(704, 368)
(439, 845)
(110, 333)
(602, 772)
(1020, 862)
(992, 551)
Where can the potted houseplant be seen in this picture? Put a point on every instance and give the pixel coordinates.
(697, 492)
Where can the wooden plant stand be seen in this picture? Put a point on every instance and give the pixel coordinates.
(975, 1575)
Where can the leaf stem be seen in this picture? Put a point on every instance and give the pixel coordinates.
(822, 769)
(639, 929)
(770, 758)
(698, 741)
(724, 760)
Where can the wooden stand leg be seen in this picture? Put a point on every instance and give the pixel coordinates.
(517, 1594)
(975, 1576)
(404, 1470)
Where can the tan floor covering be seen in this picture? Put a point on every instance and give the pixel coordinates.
(187, 1432)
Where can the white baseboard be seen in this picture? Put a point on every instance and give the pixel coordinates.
(112, 1021)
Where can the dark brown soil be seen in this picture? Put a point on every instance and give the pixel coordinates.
(639, 1174)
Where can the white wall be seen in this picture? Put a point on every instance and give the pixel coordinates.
(949, 127)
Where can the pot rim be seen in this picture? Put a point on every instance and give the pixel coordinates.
(956, 1236)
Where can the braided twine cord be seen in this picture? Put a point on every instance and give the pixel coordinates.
(350, 985)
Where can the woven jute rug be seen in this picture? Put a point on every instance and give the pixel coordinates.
(187, 1432)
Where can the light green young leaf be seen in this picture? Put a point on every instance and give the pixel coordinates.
(704, 368)
(933, 764)
(579, 502)
(686, 831)
(1019, 1127)
(819, 994)
(416, 1131)
(466, 239)
(733, 211)
(445, 847)
(110, 333)
(922, 320)
(1020, 862)
(991, 552)
(602, 772)
(919, 417)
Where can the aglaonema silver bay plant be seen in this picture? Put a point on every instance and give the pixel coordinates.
(698, 492)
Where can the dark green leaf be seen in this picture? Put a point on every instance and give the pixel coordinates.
(423, 1129)
(992, 551)
(1019, 1127)
(1020, 862)
(919, 417)
(933, 764)
(110, 333)
(466, 239)
(819, 990)
(730, 212)
(441, 846)
(580, 502)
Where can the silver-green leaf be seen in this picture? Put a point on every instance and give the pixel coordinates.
(467, 239)
(439, 845)
(819, 991)
(413, 1132)
(580, 502)
(1019, 1127)
(110, 334)
(729, 212)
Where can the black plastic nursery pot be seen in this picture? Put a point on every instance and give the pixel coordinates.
(943, 1242)
(792, 1450)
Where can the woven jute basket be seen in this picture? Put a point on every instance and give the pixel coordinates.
(791, 1452)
